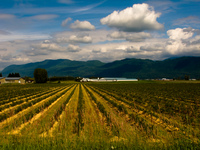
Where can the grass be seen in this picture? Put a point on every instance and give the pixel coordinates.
(22, 143)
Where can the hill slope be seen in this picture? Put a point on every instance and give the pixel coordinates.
(132, 68)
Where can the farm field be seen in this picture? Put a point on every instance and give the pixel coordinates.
(114, 115)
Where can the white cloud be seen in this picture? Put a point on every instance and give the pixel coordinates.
(17, 36)
(80, 39)
(48, 46)
(118, 35)
(132, 37)
(183, 41)
(152, 47)
(64, 23)
(44, 17)
(6, 16)
(82, 25)
(138, 18)
(179, 33)
(96, 36)
(73, 48)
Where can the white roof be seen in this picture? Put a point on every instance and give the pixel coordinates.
(13, 78)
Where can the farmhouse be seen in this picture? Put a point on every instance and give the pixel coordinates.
(2, 80)
(14, 80)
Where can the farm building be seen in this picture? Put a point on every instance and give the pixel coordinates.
(2, 80)
(14, 80)
(107, 80)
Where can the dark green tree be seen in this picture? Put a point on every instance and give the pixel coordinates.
(40, 75)
(187, 77)
(0, 74)
(13, 75)
(17, 75)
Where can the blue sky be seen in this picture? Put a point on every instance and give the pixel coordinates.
(105, 30)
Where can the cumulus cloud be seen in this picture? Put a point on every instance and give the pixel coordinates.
(80, 39)
(82, 25)
(132, 37)
(73, 48)
(44, 48)
(138, 18)
(118, 35)
(179, 33)
(64, 23)
(70, 38)
(183, 40)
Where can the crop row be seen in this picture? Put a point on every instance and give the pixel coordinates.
(17, 101)
(87, 110)
(151, 100)
(9, 92)
(15, 110)
(27, 113)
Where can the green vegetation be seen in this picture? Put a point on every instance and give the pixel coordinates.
(13, 75)
(40, 75)
(176, 68)
(115, 115)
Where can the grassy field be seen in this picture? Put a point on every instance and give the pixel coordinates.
(115, 115)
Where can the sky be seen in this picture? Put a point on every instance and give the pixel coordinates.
(105, 30)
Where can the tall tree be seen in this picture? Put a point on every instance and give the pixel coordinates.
(0, 74)
(40, 75)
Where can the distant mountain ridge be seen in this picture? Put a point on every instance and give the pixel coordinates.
(130, 68)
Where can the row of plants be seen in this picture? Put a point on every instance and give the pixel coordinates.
(52, 114)
(140, 122)
(99, 105)
(28, 113)
(17, 101)
(25, 105)
(143, 120)
(78, 124)
(169, 99)
(12, 91)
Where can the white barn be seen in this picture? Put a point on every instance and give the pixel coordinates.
(110, 79)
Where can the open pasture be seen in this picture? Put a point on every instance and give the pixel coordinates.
(115, 115)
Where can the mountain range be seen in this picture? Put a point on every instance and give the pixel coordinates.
(130, 68)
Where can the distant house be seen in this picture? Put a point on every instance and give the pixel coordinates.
(14, 80)
(2, 80)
